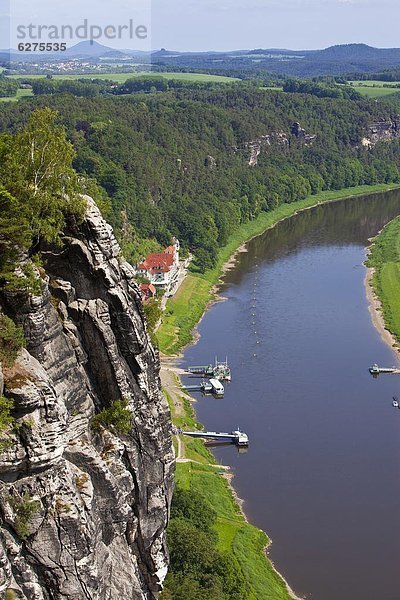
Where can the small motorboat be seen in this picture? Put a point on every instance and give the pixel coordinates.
(395, 402)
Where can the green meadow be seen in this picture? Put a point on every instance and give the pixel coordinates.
(375, 89)
(385, 259)
(20, 94)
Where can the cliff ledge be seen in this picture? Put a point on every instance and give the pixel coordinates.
(83, 514)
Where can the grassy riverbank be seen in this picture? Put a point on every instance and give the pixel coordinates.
(185, 310)
(385, 260)
(244, 544)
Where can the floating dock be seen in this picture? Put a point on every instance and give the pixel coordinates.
(220, 370)
(235, 437)
(376, 370)
(214, 387)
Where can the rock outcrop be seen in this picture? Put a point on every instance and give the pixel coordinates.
(382, 131)
(83, 514)
(280, 139)
(298, 132)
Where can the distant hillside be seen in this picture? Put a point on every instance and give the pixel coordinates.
(91, 49)
(86, 50)
(336, 60)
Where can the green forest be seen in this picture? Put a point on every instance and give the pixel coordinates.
(177, 162)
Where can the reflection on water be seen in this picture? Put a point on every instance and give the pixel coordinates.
(322, 473)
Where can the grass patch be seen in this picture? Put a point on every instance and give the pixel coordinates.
(182, 313)
(195, 450)
(21, 93)
(374, 89)
(376, 92)
(185, 310)
(248, 546)
(385, 259)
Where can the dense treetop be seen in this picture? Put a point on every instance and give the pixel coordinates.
(38, 190)
(177, 162)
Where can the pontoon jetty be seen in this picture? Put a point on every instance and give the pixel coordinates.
(220, 370)
(214, 387)
(376, 370)
(236, 437)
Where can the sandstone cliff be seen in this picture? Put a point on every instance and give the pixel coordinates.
(281, 139)
(382, 131)
(83, 515)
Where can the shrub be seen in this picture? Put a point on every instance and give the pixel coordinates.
(6, 422)
(11, 340)
(116, 418)
(197, 564)
(190, 549)
(183, 587)
(25, 508)
(190, 505)
(153, 314)
(81, 481)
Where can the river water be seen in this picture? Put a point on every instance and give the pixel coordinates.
(322, 473)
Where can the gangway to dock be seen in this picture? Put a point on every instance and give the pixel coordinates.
(235, 437)
(204, 387)
(376, 370)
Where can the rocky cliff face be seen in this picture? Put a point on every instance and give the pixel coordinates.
(382, 131)
(83, 515)
(262, 144)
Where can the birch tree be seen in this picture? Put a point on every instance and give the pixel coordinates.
(38, 172)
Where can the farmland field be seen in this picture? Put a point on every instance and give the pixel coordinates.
(20, 94)
(375, 89)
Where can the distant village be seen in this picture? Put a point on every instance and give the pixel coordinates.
(163, 271)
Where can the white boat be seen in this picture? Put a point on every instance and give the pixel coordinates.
(241, 438)
(217, 388)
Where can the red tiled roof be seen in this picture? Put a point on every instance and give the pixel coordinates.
(148, 288)
(160, 269)
(160, 258)
(159, 262)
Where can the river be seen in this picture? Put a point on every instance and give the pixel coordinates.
(322, 473)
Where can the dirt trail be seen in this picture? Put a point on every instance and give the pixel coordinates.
(170, 381)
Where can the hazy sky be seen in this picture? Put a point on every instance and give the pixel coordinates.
(220, 24)
(294, 24)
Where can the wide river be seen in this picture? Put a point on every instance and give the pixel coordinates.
(322, 473)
